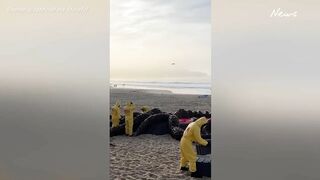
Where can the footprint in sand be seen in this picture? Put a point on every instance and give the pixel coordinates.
(152, 175)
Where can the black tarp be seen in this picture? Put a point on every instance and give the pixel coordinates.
(138, 119)
(175, 131)
(204, 166)
(156, 124)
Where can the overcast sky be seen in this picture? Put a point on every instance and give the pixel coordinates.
(147, 36)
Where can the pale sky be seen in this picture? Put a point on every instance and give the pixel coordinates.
(147, 36)
(51, 44)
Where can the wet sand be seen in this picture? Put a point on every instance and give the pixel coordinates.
(149, 156)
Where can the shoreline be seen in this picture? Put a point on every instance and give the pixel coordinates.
(174, 87)
(151, 91)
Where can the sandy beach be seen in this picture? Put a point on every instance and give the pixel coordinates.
(164, 100)
(150, 156)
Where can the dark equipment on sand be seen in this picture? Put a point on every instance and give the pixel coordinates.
(203, 166)
(163, 123)
(204, 150)
(203, 162)
(156, 124)
(138, 119)
(175, 131)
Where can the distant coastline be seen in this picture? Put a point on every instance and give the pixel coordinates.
(198, 88)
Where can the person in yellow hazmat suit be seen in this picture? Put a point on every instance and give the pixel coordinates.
(128, 112)
(115, 113)
(187, 155)
(144, 109)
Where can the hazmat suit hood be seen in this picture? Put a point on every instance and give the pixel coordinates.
(201, 121)
(130, 103)
(118, 104)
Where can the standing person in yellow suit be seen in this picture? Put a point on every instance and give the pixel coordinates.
(187, 154)
(115, 113)
(128, 112)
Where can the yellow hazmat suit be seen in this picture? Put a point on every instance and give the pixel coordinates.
(115, 113)
(191, 134)
(144, 109)
(128, 112)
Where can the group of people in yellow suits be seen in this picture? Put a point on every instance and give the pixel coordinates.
(191, 134)
(128, 112)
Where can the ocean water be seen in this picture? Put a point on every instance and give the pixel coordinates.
(174, 87)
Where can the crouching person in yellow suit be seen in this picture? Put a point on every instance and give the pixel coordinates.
(115, 113)
(187, 154)
(144, 109)
(128, 112)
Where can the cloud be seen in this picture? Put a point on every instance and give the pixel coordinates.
(148, 33)
(137, 16)
(162, 73)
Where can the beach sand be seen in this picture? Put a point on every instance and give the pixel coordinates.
(164, 100)
(149, 156)
(146, 157)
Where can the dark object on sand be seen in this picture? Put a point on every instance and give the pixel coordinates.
(162, 124)
(206, 136)
(138, 119)
(203, 166)
(195, 114)
(135, 114)
(190, 113)
(183, 126)
(207, 114)
(175, 131)
(203, 150)
(181, 113)
(199, 114)
(120, 122)
(154, 111)
(120, 130)
(196, 175)
(156, 124)
(173, 121)
(206, 130)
